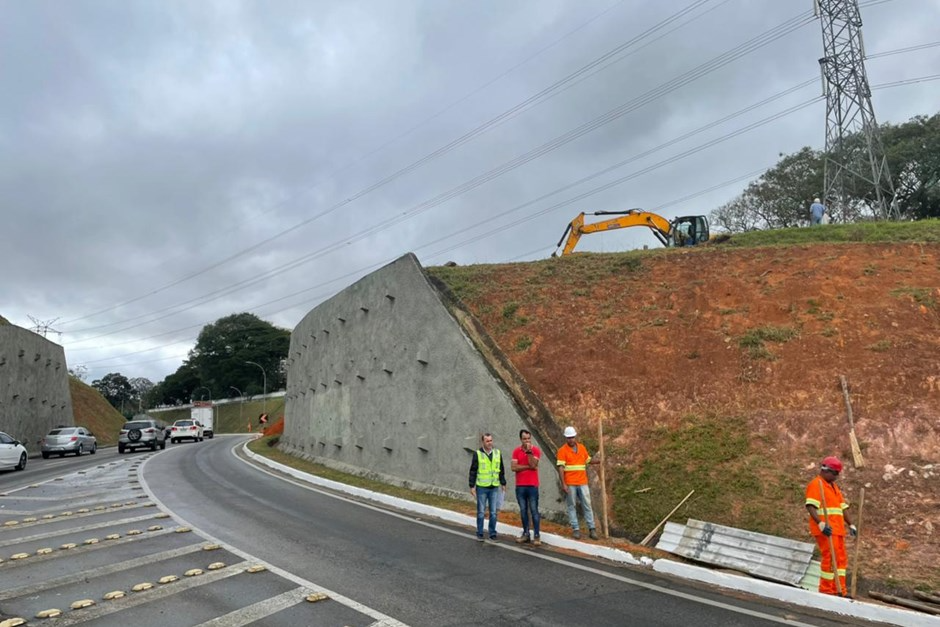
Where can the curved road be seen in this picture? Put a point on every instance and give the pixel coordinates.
(423, 572)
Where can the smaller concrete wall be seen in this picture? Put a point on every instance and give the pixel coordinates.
(34, 386)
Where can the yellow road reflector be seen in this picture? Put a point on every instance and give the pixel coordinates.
(30, 519)
(100, 507)
(183, 530)
(66, 513)
(68, 545)
(48, 516)
(51, 613)
(83, 510)
(91, 541)
(116, 594)
(154, 528)
(11, 523)
(19, 556)
(35, 485)
(82, 604)
(162, 515)
(117, 504)
(192, 572)
(113, 536)
(142, 586)
(168, 579)
(211, 547)
(60, 479)
(16, 621)
(148, 504)
(256, 568)
(316, 596)
(43, 551)
(216, 565)
(134, 532)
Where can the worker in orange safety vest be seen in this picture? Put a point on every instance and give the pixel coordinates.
(829, 522)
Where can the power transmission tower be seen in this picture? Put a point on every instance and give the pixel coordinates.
(855, 158)
(43, 328)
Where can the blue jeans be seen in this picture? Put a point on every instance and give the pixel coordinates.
(486, 497)
(581, 493)
(528, 497)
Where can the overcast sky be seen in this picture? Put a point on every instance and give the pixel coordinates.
(164, 164)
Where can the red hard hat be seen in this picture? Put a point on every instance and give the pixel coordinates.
(832, 463)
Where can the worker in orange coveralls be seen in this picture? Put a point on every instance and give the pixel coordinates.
(829, 522)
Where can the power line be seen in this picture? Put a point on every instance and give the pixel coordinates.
(528, 103)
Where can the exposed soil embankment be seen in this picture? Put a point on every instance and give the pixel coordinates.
(718, 369)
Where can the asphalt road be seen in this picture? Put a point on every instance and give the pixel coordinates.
(423, 572)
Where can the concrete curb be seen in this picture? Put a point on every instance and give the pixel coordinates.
(757, 587)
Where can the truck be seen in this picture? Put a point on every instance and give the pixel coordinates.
(204, 413)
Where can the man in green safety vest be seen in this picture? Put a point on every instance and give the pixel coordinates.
(487, 479)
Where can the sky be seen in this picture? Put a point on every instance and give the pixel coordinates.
(166, 163)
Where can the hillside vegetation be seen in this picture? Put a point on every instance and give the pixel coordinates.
(230, 417)
(717, 369)
(93, 412)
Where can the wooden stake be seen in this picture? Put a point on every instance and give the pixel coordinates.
(663, 521)
(858, 540)
(600, 439)
(856, 449)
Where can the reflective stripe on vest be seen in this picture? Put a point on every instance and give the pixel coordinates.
(488, 471)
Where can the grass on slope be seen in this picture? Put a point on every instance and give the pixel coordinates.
(93, 412)
(869, 232)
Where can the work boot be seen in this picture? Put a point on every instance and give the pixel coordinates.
(537, 541)
(593, 534)
(577, 534)
(523, 539)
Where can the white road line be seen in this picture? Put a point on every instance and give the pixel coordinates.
(339, 598)
(539, 555)
(257, 611)
(105, 544)
(81, 529)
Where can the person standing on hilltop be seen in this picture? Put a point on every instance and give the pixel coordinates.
(816, 212)
(829, 522)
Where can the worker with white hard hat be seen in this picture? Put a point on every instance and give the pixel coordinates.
(573, 460)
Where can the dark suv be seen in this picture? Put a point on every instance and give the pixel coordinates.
(142, 433)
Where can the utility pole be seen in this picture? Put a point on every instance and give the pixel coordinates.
(855, 158)
(43, 328)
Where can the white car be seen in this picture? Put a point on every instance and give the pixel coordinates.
(186, 430)
(12, 453)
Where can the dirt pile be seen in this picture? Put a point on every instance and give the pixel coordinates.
(718, 369)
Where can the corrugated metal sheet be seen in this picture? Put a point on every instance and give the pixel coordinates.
(761, 555)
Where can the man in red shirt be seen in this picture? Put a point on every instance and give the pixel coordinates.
(525, 463)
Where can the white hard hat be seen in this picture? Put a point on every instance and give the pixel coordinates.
(570, 432)
(815, 200)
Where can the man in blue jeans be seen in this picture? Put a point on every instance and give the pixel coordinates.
(487, 479)
(525, 463)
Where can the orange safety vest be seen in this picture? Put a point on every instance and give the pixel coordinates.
(575, 464)
(835, 506)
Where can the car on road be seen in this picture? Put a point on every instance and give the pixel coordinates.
(142, 433)
(68, 440)
(186, 430)
(12, 453)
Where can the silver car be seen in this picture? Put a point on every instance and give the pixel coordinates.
(72, 440)
(12, 453)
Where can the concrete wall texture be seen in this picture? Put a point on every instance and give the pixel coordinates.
(384, 382)
(34, 386)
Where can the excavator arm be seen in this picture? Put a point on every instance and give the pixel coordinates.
(660, 226)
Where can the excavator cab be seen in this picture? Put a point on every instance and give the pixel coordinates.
(689, 230)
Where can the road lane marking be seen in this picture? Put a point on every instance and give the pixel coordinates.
(300, 581)
(75, 530)
(260, 610)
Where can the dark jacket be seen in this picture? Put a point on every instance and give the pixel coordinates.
(475, 466)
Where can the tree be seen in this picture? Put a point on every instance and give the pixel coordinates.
(223, 348)
(115, 388)
(913, 153)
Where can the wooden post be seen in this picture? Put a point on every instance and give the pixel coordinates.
(858, 540)
(853, 439)
(662, 522)
(600, 452)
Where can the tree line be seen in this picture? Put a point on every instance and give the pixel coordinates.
(238, 355)
(780, 198)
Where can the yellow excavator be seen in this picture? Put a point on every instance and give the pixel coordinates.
(683, 231)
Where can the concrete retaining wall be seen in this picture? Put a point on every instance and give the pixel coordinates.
(34, 386)
(384, 382)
